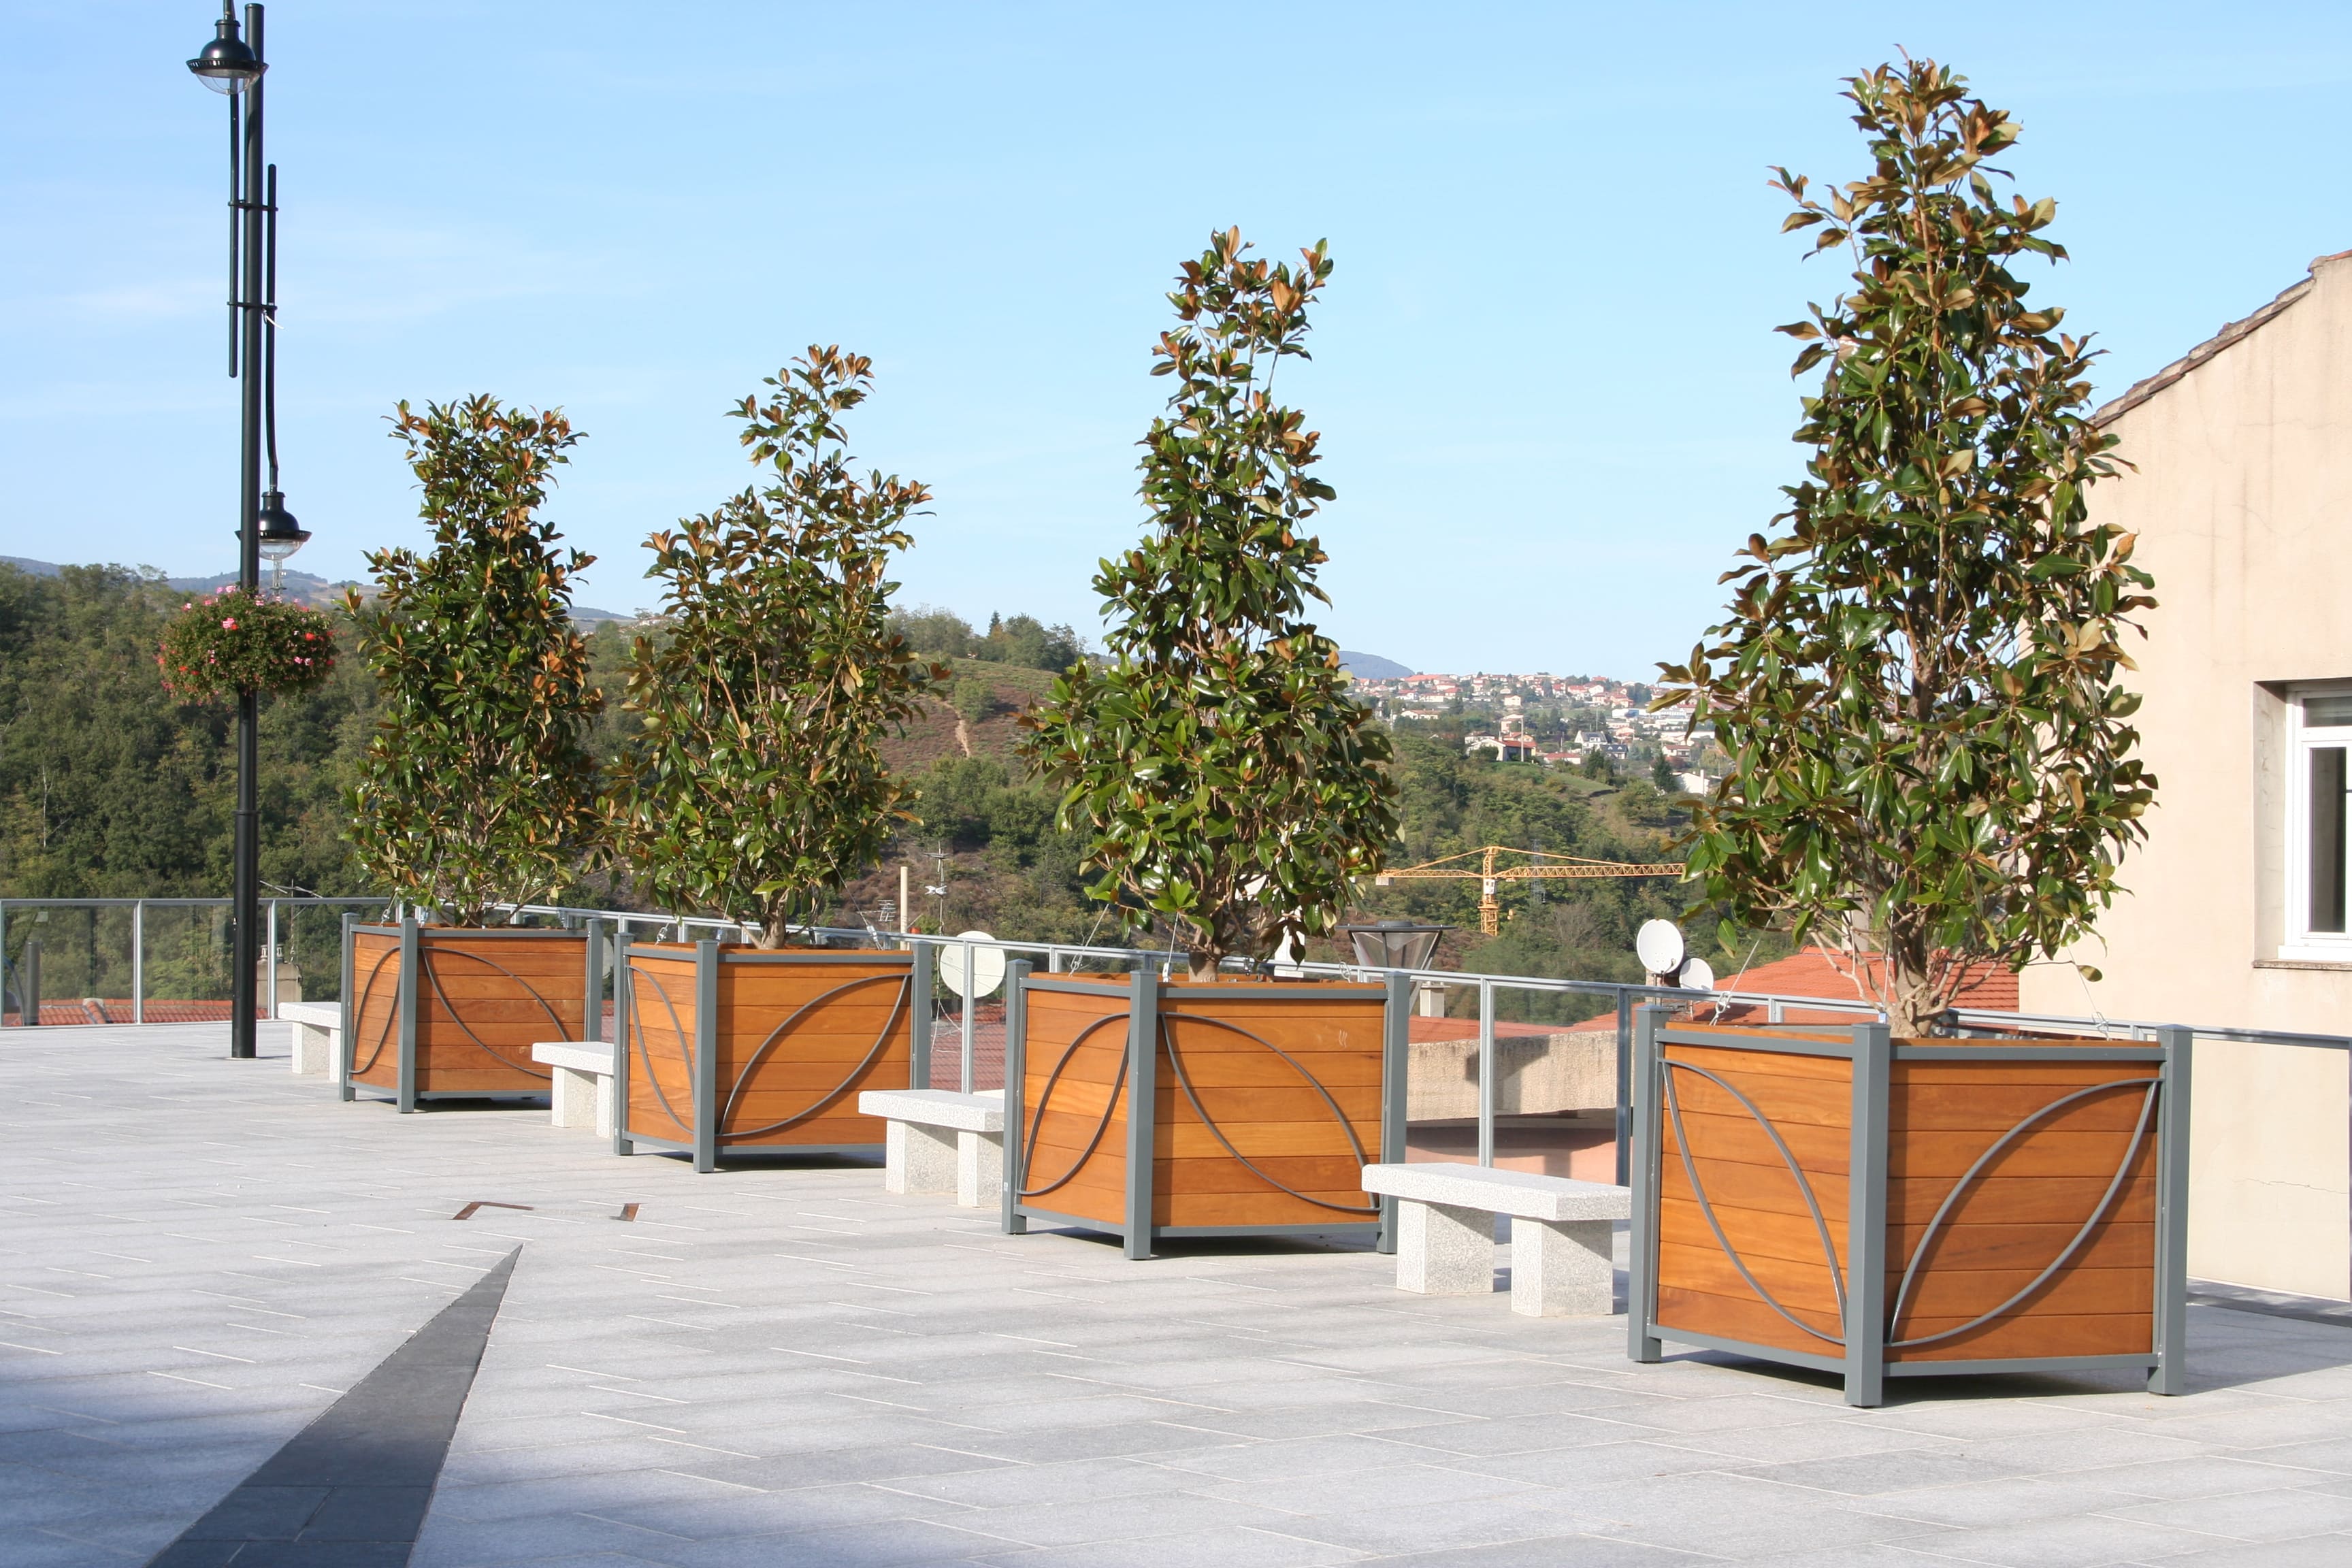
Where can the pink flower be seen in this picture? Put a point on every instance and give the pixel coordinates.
(229, 624)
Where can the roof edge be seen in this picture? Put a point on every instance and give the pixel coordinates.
(2140, 391)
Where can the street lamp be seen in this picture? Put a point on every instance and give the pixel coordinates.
(234, 65)
(1394, 945)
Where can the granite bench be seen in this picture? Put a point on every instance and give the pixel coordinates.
(1560, 1234)
(318, 1031)
(937, 1141)
(579, 1090)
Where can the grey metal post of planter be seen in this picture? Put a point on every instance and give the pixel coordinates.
(919, 1016)
(1641, 1249)
(345, 1035)
(1016, 1067)
(1866, 1225)
(1142, 1103)
(1624, 1118)
(623, 1031)
(2170, 1375)
(1396, 1062)
(706, 1056)
(139, 962)
(410, 955)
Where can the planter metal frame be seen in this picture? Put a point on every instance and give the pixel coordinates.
(1864, 1362)
(415, 944)
(706, 1142)
(1143, 995)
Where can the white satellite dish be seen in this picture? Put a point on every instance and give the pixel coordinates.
(1696, 974)
(1659, 945)
(987, 965)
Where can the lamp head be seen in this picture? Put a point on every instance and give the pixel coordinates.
(1395, 944)
(226, 65)
(278, 534)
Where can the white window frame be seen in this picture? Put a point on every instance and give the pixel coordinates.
(2302, 942)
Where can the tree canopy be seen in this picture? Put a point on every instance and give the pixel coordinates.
(1917, 682)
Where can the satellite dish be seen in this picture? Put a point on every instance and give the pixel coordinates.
(1659, 945)
(1696, 974)
(987, 965)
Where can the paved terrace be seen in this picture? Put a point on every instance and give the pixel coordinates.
(784, 1366)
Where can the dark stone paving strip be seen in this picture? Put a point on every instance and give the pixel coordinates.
(350, 1489)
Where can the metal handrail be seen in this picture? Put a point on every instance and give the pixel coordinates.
(1070, 957)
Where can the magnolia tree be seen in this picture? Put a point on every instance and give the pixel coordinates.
(757, 783)
(1917, 681)
(478, 788)
(1226, 781)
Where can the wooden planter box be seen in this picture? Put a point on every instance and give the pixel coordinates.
(451, 1012)
(1144, 1108)
(730, 1047)
(1889, 1208)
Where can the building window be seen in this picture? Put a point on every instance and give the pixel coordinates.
(2319, 847)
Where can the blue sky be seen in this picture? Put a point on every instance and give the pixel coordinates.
(1551, 400)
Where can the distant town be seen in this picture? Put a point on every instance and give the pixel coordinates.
(1555, 721)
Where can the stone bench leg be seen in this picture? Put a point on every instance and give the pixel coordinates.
(1563, 1268)
(917, 1159)
(314, 1050)
(1445, 1251)
(576, 1098)
(979, 1169)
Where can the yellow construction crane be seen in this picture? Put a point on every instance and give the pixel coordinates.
(1540, 866)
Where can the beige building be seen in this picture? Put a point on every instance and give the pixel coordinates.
(2237, 915)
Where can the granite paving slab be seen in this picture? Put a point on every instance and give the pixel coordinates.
(779, 1363)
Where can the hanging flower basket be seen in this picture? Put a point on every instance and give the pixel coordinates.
(234, 641)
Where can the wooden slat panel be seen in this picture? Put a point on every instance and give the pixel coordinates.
(1770, 1189)
(1785, 1101)
(1790, 1237)
(1736, 1064)
(2075, 1075)
(1738, 1318)
(1956, 1297)
(2046, 1200)
(1998, 1107)
(1324, 1175)
(1801, 1287)
(2037, 1334)
(1240, 1106)
(1743, 1140)
(2038, 1153)
(1959, 1249)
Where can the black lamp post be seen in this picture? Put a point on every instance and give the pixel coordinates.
(233, 65)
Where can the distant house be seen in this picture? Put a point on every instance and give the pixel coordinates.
(2241, 495)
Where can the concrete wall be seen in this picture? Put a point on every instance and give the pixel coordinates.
(1534, 1075)
(2243, 502)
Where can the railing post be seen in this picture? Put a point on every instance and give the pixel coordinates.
(139, 962)
(1624, 1085)
(6, 967)
(1396, 1068)
(1486, 1073)
(1642, 1243)
(706, 1056)
(1011, 1221)
(1142, 1104)
(269, 964)
(28, 984)
(971, 989)
(2170, 1373)
(1865, 1228)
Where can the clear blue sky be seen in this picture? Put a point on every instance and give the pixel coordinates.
(1551, 400)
